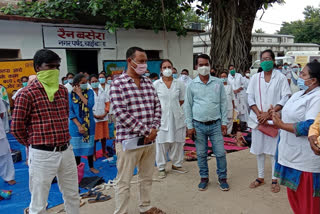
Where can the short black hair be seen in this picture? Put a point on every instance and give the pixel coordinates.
(314, 70)
(105, 76)
(24, 77)
(153, 75)
(224, 72)
(186, 70)
(93, 75)
(203, 56)
(44, 56)
(270, 52)
(131, 52)
(69, 73)
(165, 60)
(77, 78)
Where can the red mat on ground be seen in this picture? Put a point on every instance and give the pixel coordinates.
(229, 145)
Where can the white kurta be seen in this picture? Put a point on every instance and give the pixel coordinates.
(272, 93)
(173, 127)
(295, 152)
(237, 82)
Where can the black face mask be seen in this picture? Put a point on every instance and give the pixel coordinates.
(213, 74)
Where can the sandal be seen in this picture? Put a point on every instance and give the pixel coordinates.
(153, 210)
(256, 183)
(90, 194)
(275, 187)
(100, 198)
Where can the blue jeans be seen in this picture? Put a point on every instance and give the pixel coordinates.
(213, 132)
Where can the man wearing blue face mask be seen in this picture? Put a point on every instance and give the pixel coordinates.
(69, 86)
(265, 89)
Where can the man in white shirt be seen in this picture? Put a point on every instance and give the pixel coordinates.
(185, 77)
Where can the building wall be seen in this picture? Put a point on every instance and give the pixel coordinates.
(27, 36)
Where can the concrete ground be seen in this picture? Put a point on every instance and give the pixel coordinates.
(178, 193)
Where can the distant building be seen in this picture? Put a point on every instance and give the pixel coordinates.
(280, 44)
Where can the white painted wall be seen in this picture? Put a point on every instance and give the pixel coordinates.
(27, 36)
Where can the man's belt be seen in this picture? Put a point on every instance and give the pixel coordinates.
(51, 148)
(207, 123)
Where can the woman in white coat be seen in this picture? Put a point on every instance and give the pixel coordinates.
(265, 89)
(171, 136)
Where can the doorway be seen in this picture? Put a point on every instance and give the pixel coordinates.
(82, 61)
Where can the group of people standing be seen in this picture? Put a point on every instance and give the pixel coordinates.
(60, 124)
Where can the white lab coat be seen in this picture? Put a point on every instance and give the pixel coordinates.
(237, 82)
(295, 152)
(99, 107)
(173, 127)
(275, 92)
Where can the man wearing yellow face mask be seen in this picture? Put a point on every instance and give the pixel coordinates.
(40, 121)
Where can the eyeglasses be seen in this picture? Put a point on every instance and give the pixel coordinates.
(266, 59)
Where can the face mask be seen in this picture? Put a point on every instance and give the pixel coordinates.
(301, 84)
(224, 80)
(153, 80)
(267, 65)
(70, 81)
(84, 86)
(175, 76)
(295, 70)
(233, 72)
(184, 77)
(147, 74)
(50, 82)
(300, 69)
(204, 70)
(167, 72)
(95, 85)
(285, 67)
(24, 84)
(213, 74)
(247, 75)
(140, 69)
(65, 82)
(102, 80)
(109, 82)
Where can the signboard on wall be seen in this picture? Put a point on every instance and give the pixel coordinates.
(69, 37)
(117, 67)
(12, 71)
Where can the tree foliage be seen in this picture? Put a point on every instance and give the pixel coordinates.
(307, 30)
(115, 13)
(259, 31)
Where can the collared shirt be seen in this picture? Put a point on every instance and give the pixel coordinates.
(38, 121)
(205, 102)
(137, 110)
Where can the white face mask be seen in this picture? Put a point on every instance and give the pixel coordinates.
(247, 75)
(204, 70)
(295, 70)
(167, 72)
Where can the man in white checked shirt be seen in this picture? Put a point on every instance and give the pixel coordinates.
(138, 113)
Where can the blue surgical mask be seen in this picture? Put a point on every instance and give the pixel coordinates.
(147, 74)
(24, 84)
(102, 80)
(285, 67)
(301, 84)
(65, 82)
(84, 86)
(70, 81)
(224, 80)
(175, 76)
(95, 85)
(295, 70)
(109, 82)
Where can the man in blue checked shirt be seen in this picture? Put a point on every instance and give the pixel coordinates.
(206, 117)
